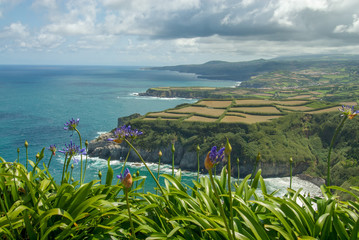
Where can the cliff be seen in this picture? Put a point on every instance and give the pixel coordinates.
(185, 159)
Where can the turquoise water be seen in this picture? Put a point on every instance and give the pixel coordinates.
(36, 101)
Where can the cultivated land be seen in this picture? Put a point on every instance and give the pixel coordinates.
(247, 111)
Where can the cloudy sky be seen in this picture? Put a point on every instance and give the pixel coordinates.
(170, 32)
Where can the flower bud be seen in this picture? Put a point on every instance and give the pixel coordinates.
(291, 160)
(72, 166)
(137, 173)
(237, 160)
(18, 150)
(173, 148)
(198, 148)
(258, 157)
(99, 174)
(86, 143)
(160, 153)
(38, 155)
(228, 148)
(26, 144)
(208, 164)
(127, 181)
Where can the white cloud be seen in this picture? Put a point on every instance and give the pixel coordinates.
(286, 10)
(353, 28)
(15, 30)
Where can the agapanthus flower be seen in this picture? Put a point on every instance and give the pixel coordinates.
(71, 124)
(73, 150)
(124, 132)
(53, 149)
(213, 157)
(126, 178)
(348, 111)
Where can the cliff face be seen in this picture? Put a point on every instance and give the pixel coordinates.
(184, 159)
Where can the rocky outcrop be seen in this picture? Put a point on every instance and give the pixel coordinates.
(184, 159)
(192, 92)
(315, 180)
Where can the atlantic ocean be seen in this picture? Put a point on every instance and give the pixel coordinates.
(36, 101)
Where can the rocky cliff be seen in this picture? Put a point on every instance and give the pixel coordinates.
(184, 159)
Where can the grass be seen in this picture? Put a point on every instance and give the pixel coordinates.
(200, 110)
(256, 109)
(247, 118)
(215, 104)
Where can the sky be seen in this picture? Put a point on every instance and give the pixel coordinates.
(172, 32)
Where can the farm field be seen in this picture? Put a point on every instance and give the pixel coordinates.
(247, 111)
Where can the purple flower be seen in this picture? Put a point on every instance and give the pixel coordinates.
(124, 132)
(213, 157)
(71, 124)
(53, 149)
(73, 150)
(348, 111)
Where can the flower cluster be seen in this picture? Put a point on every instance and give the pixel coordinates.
(73, 150)
(213, 157)
(53, 149)
(348, 111)
(126, 178)
(71, 124)
(124, 132)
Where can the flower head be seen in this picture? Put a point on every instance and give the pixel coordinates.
(124, 132)
(126, 178)
(213, 157)
(71, 124)
(348, 111)
(73, 150)
(53, 149)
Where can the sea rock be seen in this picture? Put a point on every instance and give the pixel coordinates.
(315, 180)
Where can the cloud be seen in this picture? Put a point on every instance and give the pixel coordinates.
(192, 30)
(15, 30)
(352, 28)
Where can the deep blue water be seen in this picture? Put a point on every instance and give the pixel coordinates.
(36, 101)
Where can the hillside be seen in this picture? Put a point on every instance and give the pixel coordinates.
(279, 72)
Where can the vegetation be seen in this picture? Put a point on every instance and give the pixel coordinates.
(34, 206)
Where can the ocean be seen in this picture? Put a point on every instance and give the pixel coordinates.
(36, 101)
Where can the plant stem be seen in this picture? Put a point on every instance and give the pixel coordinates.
(124, 164)
(85, 165)
(63, 169)
(220, 204)
(48, 165)
(230, 195)
(197, 165)
(129, 214)
(149, 170)
(27, 158)
(331, 147)
(291, 176)
(158, 171)
(81, 179)
(173, 161)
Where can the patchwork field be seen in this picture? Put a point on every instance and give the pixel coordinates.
(297, 108)
(255, 109)
(200, 119)
(166, 114)
(215, 104)
(200, 110)
(246, 111)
